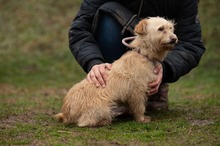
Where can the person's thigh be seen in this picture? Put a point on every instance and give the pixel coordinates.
(109, 38)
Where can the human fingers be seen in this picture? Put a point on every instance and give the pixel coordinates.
(103, 75)
(157, 82)
(108, 66)
(88, 78)
(154, 86)
(153, 90)
(91, 77)
(104, 70)
(158, 69)
(100, 75)
(154, 83)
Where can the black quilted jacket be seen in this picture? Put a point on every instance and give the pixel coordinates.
(183, 58)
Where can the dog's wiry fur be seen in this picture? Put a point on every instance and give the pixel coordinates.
(87, 105)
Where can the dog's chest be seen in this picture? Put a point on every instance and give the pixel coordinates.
(133, 68)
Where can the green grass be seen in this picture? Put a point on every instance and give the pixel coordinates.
(37, 69)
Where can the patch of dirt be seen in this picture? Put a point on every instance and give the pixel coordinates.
(104, 143)
(202, 97)
(40, 100)
(10, 89)
(14, 119)
(6, 89)
(201, 122)
(28, 118)
(113, 143)
(195, 96)
(53, 91)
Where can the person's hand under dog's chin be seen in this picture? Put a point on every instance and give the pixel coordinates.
(154, 86)
(98, 74)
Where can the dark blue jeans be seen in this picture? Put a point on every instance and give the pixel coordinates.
(109, 38)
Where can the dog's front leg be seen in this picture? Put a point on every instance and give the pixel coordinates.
(137, 107)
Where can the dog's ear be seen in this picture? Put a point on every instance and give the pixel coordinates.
(140, 28)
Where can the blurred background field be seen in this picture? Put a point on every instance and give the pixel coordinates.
(37, 68)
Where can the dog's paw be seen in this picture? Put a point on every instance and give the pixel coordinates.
(59, 117)
(103, 123)
(147, 119)
(94, 124)
(144, 119)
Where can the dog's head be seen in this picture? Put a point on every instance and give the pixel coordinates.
(156, 34)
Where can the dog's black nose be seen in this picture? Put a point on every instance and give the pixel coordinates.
(173, 40)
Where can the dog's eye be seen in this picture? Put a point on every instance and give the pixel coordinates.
(161, 28)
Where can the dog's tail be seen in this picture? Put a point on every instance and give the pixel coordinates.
(60, 117)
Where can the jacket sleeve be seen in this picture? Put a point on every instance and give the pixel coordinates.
(187, 53)
(81, 41)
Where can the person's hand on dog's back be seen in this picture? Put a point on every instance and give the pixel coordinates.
(154, 86)
(98, 74)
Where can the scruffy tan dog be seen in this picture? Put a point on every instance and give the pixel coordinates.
(87, 105)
